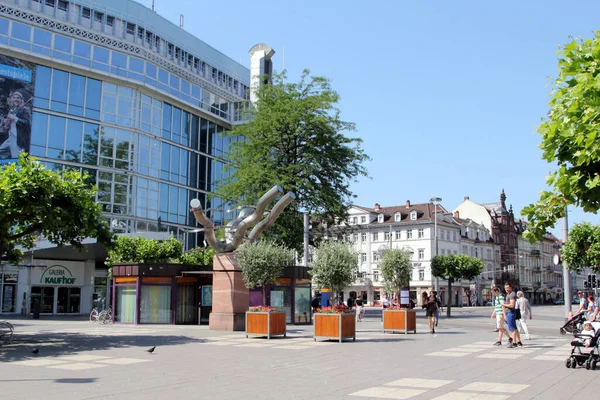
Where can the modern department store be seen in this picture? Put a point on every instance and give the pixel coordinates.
(118, 91)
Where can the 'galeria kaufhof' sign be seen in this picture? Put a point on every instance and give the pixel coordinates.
(58, 275)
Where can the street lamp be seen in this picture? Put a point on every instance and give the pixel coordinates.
(436, 201)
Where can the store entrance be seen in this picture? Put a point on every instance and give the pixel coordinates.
(68, 300)
(44, 296)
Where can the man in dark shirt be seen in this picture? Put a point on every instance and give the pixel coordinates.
(511, 317)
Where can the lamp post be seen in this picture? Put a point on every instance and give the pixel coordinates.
(436, 201)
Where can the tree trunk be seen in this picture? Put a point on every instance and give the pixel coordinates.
(449, 305)
(264, 290)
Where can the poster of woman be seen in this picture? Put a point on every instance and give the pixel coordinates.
(16, 98)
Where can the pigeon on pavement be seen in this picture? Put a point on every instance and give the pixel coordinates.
(151, 350)
(35, 351)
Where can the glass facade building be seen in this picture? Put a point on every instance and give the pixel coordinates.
(117, 91)
(141, 114)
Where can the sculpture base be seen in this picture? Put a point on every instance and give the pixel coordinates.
(227, 321)
(231, 298)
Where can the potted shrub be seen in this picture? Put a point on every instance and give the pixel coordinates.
(261, 262)
(335, 268)
(395, 268)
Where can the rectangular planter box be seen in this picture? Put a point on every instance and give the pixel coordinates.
(265, 324)
(335, 326)
(399, 321)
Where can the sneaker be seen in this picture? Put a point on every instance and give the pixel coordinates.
(433, 331)
(496, 330)
(519, 344)
(498, 343)
(512, 346)
(510, 341)
(528, 337)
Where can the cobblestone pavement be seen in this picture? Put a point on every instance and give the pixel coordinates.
(80, 360)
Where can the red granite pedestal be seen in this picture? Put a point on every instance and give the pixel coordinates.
(231, 298)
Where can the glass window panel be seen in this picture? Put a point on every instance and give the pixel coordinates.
(155, 304)
(62, 43)
(173, 194)
(92, 98)
(119, 60)
(136, 65)
(183, 205)
(21, 31)
(56, 137)
(101, 54)
(76, 94)
(176, 127)
(60, 82)
(82, 49)
(3, 26)
(184, 167)
(42, 86)
(166, 121)
(163, 76)
(90, 144)
(73, 142)
(42, 37)
(175, 154)
(164, 197)
(125, 307)
(151, 70)
(174, 82)
(212, 128)
(39, 129)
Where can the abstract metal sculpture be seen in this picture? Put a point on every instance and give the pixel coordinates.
(248, 217)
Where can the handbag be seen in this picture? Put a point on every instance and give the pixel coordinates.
(518, 313)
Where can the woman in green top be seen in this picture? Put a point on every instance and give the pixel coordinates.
(499, 314)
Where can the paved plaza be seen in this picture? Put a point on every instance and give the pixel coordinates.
(80, 360)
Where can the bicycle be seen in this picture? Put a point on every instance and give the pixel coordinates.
(6, 329)
(102, 317)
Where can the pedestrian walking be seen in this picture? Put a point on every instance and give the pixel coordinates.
(591, 309)
(430, 311)
(525, 313)
(510, 316)
(498, 313)
(359, 308)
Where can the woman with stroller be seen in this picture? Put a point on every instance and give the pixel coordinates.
(525, 309)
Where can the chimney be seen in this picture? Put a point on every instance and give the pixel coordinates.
(407, 203)
(377, 206)
(466, 197)
(261, 67)
(456, 214)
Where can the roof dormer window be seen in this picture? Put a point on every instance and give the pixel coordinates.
(413, 215)
(397, 217)
(380, 218)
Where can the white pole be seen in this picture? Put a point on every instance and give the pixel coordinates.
(437, 280)
(306, 226)
(566, 273)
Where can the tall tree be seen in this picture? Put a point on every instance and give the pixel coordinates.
(336, 266)
(36, 201)
(570, 138)
(296, 139)
(453, 267)
(395, 268)
(582, 249)
(261, 262)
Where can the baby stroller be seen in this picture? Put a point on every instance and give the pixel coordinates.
(574, 325)
(579, 356)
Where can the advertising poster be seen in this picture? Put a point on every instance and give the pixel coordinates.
(16, 103)
(207, 296)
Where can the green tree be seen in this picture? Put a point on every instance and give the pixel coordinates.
(58, 206)
(261, 262)
(453, 267)
(570, 138)
(582, 249)
(295, 138)
(336, 266)
(395, 268)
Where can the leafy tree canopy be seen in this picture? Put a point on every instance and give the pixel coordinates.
(296, 139)
(58, 206)
(456, 266)
(582, 249)
(395, 268)
(140, 250)
(261, 262)
(570, 138)
(336, 266)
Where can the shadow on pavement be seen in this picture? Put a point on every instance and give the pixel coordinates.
(57, 344)
(62, 380)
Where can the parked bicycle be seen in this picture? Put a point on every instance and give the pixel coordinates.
(6, 330)
(101, 316)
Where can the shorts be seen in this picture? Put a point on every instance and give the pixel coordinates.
(499, 320)
(511, 321)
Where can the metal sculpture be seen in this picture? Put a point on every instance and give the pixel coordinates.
(248, 217)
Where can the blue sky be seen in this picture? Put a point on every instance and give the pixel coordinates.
(445, 94)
